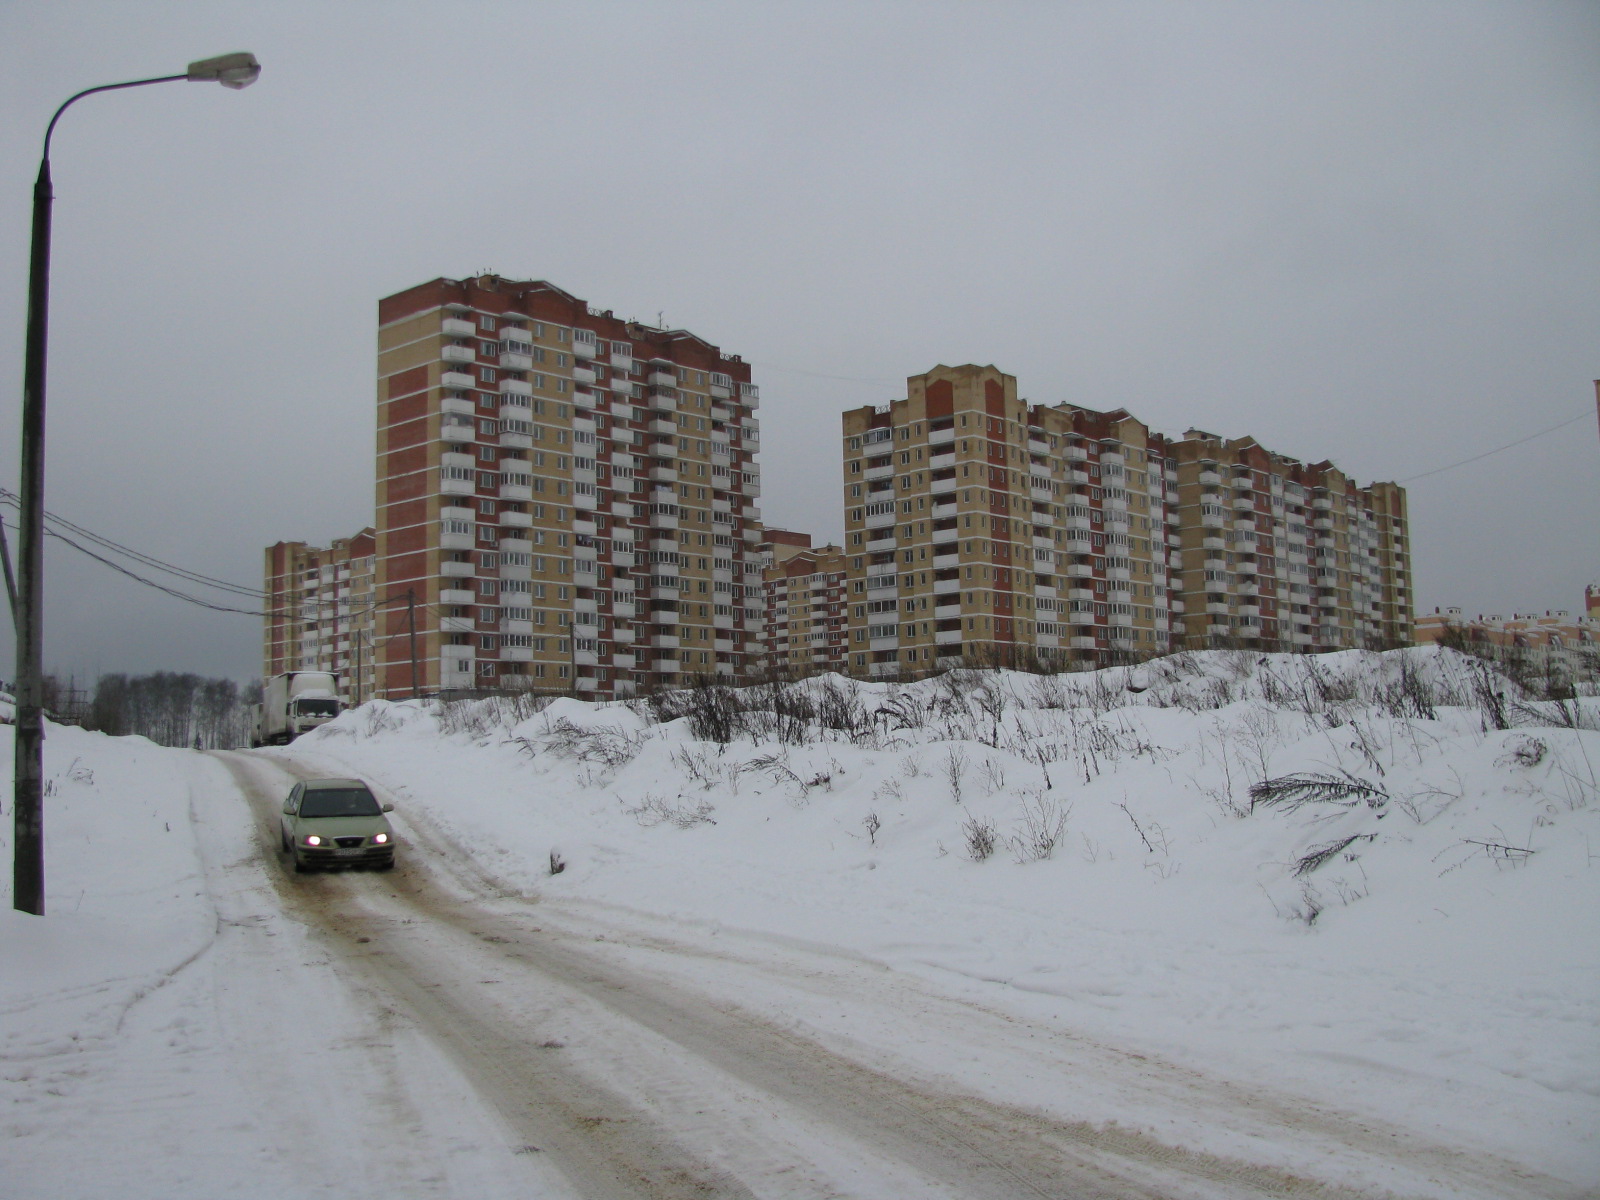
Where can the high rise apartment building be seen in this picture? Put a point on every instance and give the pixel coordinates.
(983, 529)
(1282, 553)
(565, 500)
(319, 603)
(805, 604)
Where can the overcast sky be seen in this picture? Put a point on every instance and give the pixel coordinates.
(1364, 232)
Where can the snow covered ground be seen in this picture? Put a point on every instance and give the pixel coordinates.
(1383, 973)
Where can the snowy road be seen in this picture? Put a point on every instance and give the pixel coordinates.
(508, 1046)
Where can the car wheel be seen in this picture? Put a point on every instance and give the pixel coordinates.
(300, 864)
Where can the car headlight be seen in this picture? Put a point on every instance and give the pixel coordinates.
(380, 838)
(313, 840)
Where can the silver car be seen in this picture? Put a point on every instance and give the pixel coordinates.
(336, 823)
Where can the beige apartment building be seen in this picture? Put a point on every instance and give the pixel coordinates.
(805, 605)
(320, 611)
(1287, 555)
(566, 500)
(982, 529)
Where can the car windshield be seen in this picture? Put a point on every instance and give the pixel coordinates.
(339, 802)
(317, 708)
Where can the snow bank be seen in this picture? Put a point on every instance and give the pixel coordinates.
(1407, 919)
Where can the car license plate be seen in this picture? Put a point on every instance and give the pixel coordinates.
(343, 853)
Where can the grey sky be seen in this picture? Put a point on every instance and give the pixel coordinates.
(1363, 232)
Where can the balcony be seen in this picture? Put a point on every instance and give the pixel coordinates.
(454, 596)
(457, 570)
(940, 511)
(456, 487)
(884, 472)
(453, 432)
(458, 354)
(456, 327)
(456, 379)
(457, 405)
(516, 387)
(510, 360)
(659, 378)
(946, 587)
(881, 542)
(516, 491)
(456, 624)
(947, 637)
(942, 461)
(584, 375)
(944, 561)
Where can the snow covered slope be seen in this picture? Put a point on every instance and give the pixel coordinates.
(1424, 947)
(1400, 926)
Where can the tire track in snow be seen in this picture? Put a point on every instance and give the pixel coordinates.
(662, 1064)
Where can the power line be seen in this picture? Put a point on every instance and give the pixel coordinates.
(198, 601)
(11, 498)
(1497, 449)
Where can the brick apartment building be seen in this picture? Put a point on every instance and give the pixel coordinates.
(805, 605)
(1551, 629)
(569, 498)
(1289, 554)
(320, 611)
(983, 529)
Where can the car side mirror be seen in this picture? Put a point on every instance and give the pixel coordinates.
(288, 808)
(388, 808)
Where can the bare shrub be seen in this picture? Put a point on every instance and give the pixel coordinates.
(1042, 826)
(653, 810)
(1427, 802)
(1318, 855)
(980, 837)
(1523, 751)
(871, 824)
(606, 745)
(839, 708)
(955, 765)
(1292, 792)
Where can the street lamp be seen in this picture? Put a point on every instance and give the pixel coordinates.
(27, 881)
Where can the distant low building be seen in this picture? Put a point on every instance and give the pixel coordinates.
(1531, 631)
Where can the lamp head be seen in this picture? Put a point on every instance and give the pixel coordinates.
(230, 70)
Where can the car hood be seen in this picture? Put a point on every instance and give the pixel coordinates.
(343, 826)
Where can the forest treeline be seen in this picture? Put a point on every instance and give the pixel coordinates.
(173, 710)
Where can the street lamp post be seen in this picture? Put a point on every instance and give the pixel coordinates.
(27, 881)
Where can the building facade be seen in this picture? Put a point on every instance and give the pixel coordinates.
(805, 605)
(566, 500)
(1551, 629)
(980, 529)
(320, 612)
(1287, 555)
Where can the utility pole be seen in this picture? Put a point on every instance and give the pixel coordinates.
(411, 624)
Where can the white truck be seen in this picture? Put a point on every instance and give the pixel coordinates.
(293, 703)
